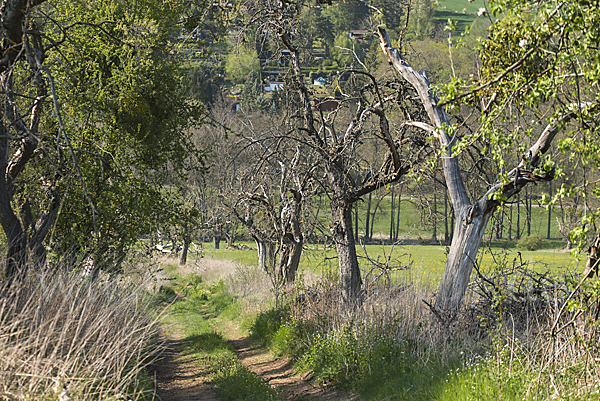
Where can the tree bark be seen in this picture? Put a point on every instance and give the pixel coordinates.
(549, 214)
(265, 254)
(185, 246)
(355, 221)
(469, 228)
(16, 256)
(446, 232)
(434, 235)
(341, 230)
(518, 216)
(397, 233)
(368, 219)
(392, 217)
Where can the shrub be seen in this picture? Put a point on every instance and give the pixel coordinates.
(236, 383)
(266, 324)
(531, 243)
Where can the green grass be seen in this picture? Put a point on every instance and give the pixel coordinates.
(428, 261)
(461, 11)
(461, 6)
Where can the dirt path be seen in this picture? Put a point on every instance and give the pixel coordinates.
(178, 377)
(279, 372)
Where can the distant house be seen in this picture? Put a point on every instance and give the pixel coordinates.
(273, 86)
(235, 106)
(320, 81)
(275, 77)
(357, 34)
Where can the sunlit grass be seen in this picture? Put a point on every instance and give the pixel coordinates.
(427, 262)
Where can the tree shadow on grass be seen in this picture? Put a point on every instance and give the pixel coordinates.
(206, 342)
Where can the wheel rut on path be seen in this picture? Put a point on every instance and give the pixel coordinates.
(279, 372)
(178, 376)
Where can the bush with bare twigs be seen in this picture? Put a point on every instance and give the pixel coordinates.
(69, 337)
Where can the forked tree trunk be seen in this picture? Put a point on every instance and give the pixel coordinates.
(341, 229)
(471, 219)
(468, 235)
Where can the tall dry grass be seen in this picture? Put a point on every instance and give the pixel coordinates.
(64, 335)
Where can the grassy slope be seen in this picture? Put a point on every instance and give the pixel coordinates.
(462, 11)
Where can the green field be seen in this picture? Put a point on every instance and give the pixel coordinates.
(461, 11)
(416, 221)
(428, 261)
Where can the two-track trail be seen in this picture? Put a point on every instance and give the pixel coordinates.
(178, 376)
(278, 372)
(181, 377)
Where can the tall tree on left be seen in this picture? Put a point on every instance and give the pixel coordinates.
(93, 120)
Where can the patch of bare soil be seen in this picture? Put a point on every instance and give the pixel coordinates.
(279, 372)
(178, 377)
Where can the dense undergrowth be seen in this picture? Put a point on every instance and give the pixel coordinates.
(514, 340)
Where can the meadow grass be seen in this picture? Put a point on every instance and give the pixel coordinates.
(428, 261)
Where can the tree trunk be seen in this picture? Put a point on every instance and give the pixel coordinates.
(16, 237)
(434, 236)
(549, 213)
(292, 241)
(468, 235)
(510, 222)
(377, 206)
(519, 216)
(368, 219)
(356, 222)
(289, 259)
(397, 233)
(216, 241)
(392, 218)
(499, 224)
(446, 233)
(42, 228)
(528, 211)
(184, 251)
(341, 229)
(265, 254)
(471, 219)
